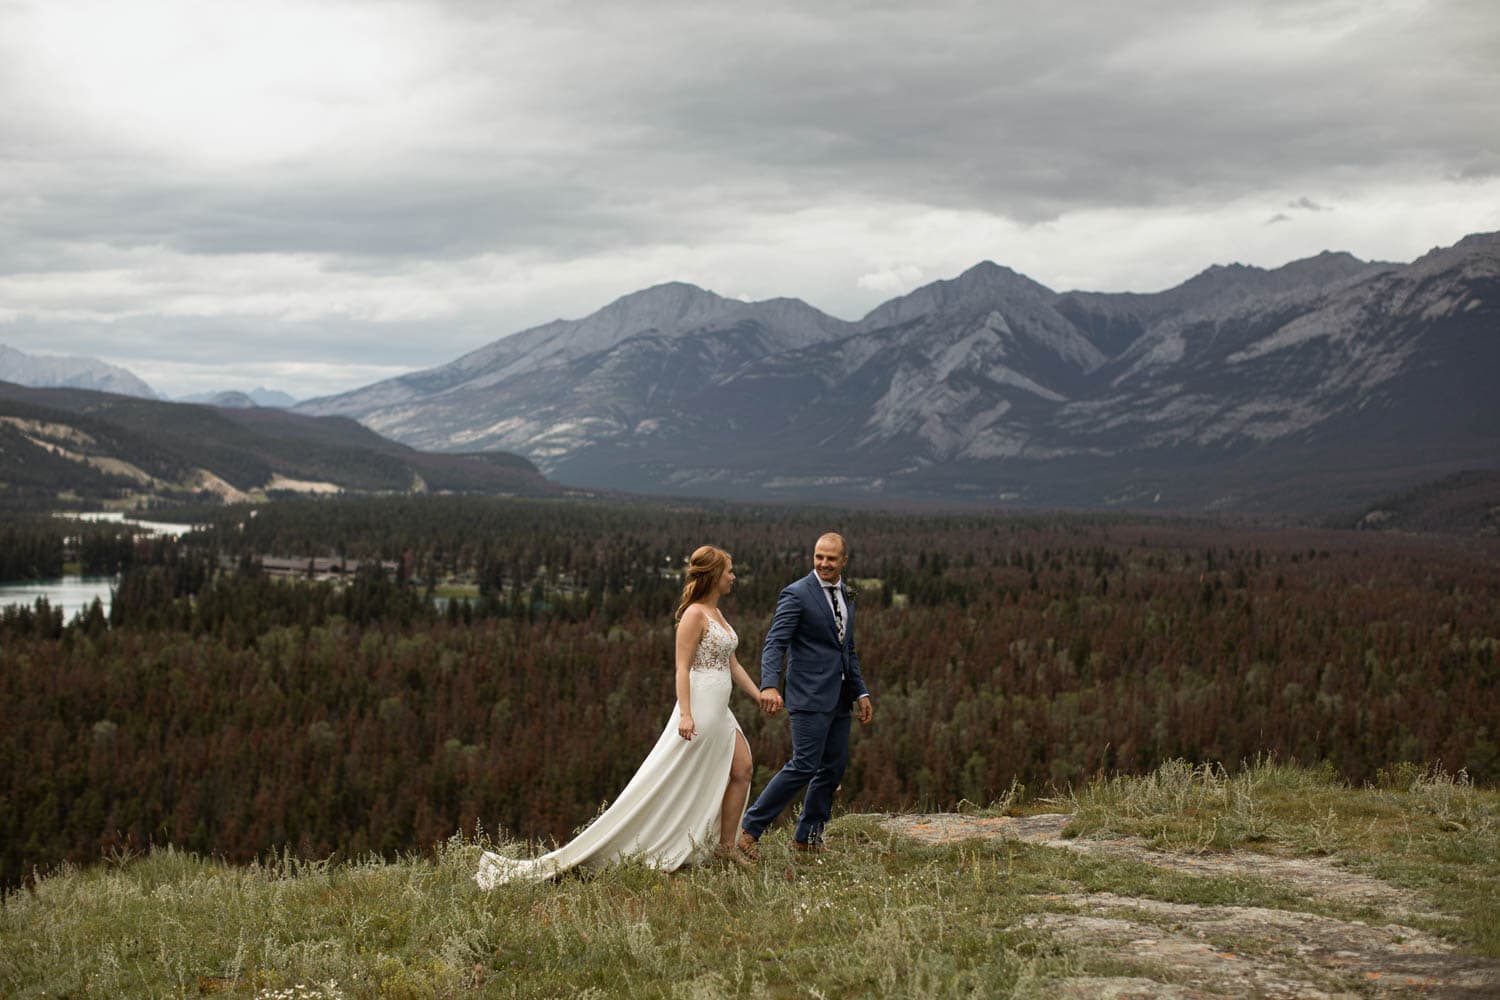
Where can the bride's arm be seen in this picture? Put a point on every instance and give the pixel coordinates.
(689, 634)
(742, 678)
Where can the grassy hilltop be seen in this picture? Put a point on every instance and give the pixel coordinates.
(1184, 882)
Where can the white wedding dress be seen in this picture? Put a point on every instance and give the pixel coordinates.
(668, 815)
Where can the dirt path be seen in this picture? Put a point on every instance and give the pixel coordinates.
(1196, 952)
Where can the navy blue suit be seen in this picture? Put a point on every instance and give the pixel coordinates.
(822, 682)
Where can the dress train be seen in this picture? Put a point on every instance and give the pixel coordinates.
(669, 813)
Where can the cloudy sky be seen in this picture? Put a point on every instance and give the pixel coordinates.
(315, 195)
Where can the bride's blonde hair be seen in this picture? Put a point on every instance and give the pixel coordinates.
(704, 568)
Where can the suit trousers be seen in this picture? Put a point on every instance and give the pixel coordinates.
(820, 752)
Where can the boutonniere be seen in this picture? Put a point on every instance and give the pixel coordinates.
(850, 594)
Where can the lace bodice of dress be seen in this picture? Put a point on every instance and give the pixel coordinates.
(716, 647)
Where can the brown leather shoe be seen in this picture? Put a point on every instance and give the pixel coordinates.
(814, 848)
(748, 847)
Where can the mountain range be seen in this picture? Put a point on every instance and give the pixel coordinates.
(239, 399)
(63, 448)
(1322, 383)
(55, 371)
(47, 370)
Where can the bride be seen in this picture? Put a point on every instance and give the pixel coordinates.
(688, 797)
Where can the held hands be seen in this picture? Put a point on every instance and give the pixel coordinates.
(686, 728)
(771, 703)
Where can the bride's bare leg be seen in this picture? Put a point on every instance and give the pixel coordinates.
(735, 792)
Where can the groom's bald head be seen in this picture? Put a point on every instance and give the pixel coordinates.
(829, 557)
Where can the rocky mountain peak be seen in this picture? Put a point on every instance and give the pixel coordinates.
(1474, 254)
(1327, 268)
(1222, 286)
(987, 281)
(981, 288)
(669, 307)
(794, 316)
(1218, 278)
(1479, 241)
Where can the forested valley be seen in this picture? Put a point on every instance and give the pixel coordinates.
(506, 664)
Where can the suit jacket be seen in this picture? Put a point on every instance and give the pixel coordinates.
(822, 674)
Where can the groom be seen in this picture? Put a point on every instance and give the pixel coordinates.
(814, 629)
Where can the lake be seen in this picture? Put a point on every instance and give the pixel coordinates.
(71, 593)
(145, 527)
(74, 593)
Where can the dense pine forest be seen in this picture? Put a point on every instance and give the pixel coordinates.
(507, 663)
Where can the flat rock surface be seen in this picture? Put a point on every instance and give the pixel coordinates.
(942, 828)
(1188, 951)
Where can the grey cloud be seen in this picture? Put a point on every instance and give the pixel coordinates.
(1483, 165)
(203, 340)
(399, 215)
(958, 106)
(584, 130)
(993, 107)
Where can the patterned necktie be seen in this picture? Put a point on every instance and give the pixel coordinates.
(838, 616)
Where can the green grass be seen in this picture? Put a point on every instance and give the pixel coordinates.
(1419, 828)
(883, 916)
